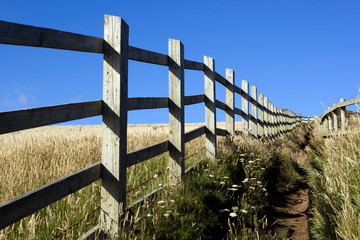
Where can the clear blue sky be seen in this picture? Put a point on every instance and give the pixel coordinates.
(297, 52)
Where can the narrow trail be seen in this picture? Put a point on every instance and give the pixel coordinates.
(291, 209)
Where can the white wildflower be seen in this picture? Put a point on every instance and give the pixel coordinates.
(243, 211)
(233, 214)
(245, 180)
(156, 176)
(222, 183)
(233, 189)
(235, 186)
(251, 161)
(264, 189)
(160, 185)
(252, 188)
(148, 215)
(225, 177)
(161, 202)
(211, 176)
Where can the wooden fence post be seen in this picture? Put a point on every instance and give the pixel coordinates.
(330, 121)
(210, 106)
(266, 116)
(261, 115)
(271, 130)
(335, 116)
(230, 101)
(254, 114)
(342, 117)
(176, 111)
(254, 111)
(245, 107)
(114, 145)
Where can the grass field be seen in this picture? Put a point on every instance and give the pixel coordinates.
(31, 158)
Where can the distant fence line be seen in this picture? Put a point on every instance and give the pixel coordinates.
(263, 119)
(334, 118)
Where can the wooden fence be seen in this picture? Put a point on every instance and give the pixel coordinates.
(334, 118)
(263, 120)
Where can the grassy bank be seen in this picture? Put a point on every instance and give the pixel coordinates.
(335, 183)
(222, 199)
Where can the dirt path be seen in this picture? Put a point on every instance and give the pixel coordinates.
(291, 210)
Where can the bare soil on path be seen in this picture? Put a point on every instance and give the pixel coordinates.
(291, 210)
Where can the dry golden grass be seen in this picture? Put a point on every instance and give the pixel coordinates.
(32, 158)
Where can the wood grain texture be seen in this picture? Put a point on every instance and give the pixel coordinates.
(176, 111)
(24, 35)
(146, 153)
(36, 117)
(245, 106)
(147, 103)
(146, 56)
(210, 107)
(261, 116)
(230, 101)
(254, 128)
(114, 146)
(17, 208)
(266, 117)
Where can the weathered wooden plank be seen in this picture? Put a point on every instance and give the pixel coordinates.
(221, 105)
(210, 107)
(147, 103)
(19, 34)
(221, 132)
(146, 153)
(192, 65)
(230, 101)
(266, 117)
(141, 55)
(261, 115)
(254, 127)
(240, 112)
(220, 79)
(17, 208)
(176, 111)
(36, 117)
(191, 135)
(114, 144)
(240, 92)
(342, 117)
(245, 106)
(194, 99)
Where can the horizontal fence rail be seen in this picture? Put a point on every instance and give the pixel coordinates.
(260, 118)
(334, 118)
(30, 202)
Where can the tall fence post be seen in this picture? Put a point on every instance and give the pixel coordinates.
(266, 116)
(254, 128)
(261, 115)
(230, 101)
(271, 126)
(114, 144)
(176, 111)
(342, 116)
(330, 121)
(335, 115)
(245, 107)
(210, 106)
